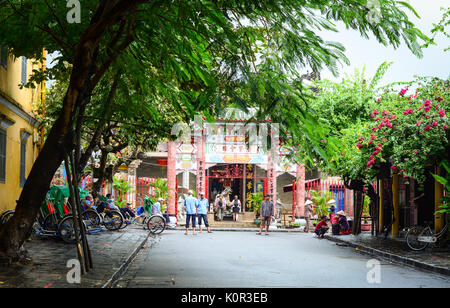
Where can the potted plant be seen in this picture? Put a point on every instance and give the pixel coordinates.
(122, 188)
(320, 200)
(255, 200)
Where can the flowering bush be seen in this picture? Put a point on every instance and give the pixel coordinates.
(408, 132)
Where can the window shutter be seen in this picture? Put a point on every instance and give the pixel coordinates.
(23, 155)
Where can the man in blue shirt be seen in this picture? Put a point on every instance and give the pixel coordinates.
(202, 212)
(190, 203)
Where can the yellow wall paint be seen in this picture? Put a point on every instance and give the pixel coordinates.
(24, 99)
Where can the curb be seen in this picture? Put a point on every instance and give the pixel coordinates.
(393, 257)
(122, 269)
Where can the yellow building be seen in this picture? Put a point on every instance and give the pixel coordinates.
(19, 135)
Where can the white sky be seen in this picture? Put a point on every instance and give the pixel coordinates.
(369, 53)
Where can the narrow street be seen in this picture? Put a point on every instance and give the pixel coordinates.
(244, 259)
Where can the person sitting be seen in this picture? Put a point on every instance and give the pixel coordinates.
(157, 210)
(124, 211)
(321, 227)
(87, 203)
(343, 223)
(333, 218)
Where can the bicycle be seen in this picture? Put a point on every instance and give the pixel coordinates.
(419, 237)
(155, 223)
(5, 216)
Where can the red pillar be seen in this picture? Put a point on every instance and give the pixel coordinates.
(300, 191)
(200, 185)
(171, 178)
(293, 198)
(272, 178)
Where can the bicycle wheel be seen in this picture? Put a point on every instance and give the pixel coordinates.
(92, 219)
(6, 215)
(156, 224)
(66, 230)
(51, 222)
(126, 218)
(413, 235)
(113, 220)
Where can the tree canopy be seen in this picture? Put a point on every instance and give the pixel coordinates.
(196, 55)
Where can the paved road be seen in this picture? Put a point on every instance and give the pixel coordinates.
(244, 259)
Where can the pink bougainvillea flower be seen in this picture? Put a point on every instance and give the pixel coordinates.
(442, 112)
(371, 141)
(374, 129)
(439, 99)
(393, 167)
(389, 125)
(427, 115)
(418, 123)
(427, 128)
(408, 111)
(427, 102)
(434, 123)
(394, 116)
(359, 145)
(373, 136)
(403, 91)
(445, 127)
(361, 138)
(375, 152)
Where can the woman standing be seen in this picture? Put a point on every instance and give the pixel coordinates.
(236, 208)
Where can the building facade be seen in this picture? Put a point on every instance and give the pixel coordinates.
(228, 154)
(19, 135)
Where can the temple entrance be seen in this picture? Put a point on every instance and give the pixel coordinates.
(236, 180)
(217, 186)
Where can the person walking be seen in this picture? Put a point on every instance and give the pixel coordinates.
(236, 208)
(266, 213)
(202, 212)
(308, 214)
(190, 203)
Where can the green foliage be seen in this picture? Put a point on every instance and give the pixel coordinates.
(409, 131)
(441, 27)
(320, 200)
(445, 181)
(161, 189)
(255, 200)
(121, 187)
(344, 107)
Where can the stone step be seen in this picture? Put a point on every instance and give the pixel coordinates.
(233, 224)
